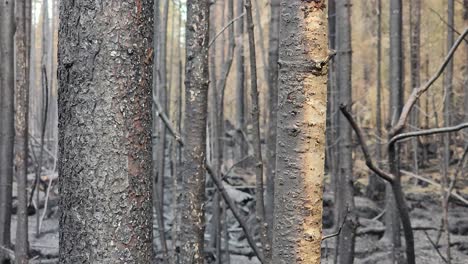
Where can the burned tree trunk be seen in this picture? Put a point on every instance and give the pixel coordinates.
(196, 97)
(273, 109)
(7, 130)
(104, 74)
(23, 45)
(345, 189)
(303, 58)
(392, 220)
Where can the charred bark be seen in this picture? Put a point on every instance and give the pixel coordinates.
(196, 96)
(23, 45)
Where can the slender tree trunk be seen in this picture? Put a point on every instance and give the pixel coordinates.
(257, 147)
(376, 184)
(448, 86)
(415, 43)
(156, 125)
(240, 77)
(215, 227)
(196, 96)
(273, 109)
(7, 131)
(162, 96)
(105, 131)
(465, 79)
(23, 45)
(345, 193)
(392, 220)
(302, 94)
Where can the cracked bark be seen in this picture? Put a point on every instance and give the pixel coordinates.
(105, 131)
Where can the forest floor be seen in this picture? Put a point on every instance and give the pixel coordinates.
(426, 212)
(423, 200)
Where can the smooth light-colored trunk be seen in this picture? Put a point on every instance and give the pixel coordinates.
(303, 59)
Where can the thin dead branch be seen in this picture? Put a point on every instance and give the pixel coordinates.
(435, 246)
(416, 94)
(166, 121)
(365, 150)
(427, 132)
(224, 28)
(424, 179)
(236, 214)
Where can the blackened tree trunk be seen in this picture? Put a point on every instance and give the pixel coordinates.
(303, 57)
(345, 193)
(7, 131)
(23, 45)
(273, 109)
(105, 131)
(392, 220)
(465, 80)
(196, 96)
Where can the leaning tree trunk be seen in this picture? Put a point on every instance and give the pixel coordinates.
(196, 96)
(303, 57)
(105, 131)
(273, 109)
(23, 45)
(344, 191)
(7, 131)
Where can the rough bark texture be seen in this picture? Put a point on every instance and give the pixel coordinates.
(23, 26)
(273, 109)
(392, 220)
(345, 190)
(301, 132)
(104, 131)
(196, 96)
(7, 131)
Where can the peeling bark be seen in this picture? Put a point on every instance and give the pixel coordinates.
(301, 132)
(104, 71)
